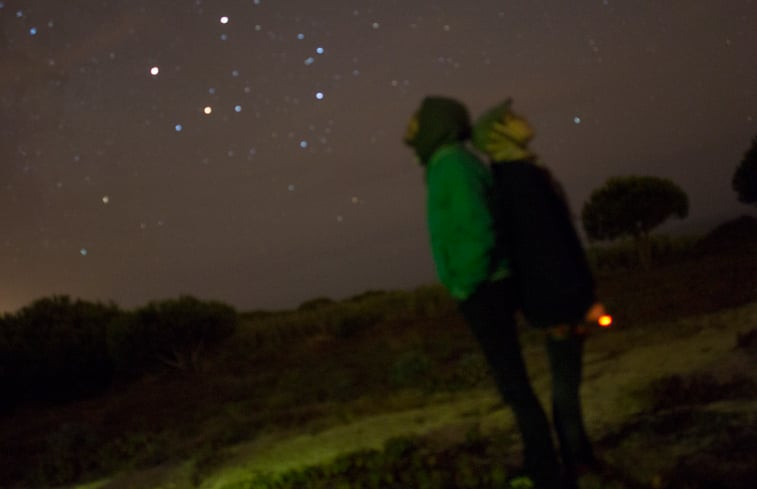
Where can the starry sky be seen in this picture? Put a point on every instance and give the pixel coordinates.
(250, 151)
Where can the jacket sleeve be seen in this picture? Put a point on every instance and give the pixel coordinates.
(460, 223)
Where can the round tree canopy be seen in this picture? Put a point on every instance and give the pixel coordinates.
(632, 206)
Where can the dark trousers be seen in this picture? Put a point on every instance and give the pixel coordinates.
(490, 313)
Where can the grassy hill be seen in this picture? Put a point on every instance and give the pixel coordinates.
(358, 389)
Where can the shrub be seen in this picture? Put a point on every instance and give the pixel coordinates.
(472, 370)
(316, 303)
(55, 349)
(698, 388)
(410, 369)
(69, 453)
(623, 255)
(432, 301)
(172, 333)
(347, 318)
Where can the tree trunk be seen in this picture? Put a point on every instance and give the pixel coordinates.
(644, 250)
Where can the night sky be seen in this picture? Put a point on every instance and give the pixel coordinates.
(115, 184)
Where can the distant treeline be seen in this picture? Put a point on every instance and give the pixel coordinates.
(59, 349)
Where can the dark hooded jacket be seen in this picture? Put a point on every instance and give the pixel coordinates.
(534, 227)
(554, 282)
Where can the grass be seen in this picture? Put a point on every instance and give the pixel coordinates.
(623, 394)
(298, 388)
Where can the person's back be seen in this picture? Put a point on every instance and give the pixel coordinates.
(555, 284)
(534, 225)
(551, 276)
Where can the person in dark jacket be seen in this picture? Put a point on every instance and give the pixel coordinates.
(552, 282)
(473, 265)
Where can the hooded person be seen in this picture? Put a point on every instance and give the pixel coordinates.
(458, 201)
(552, 281)
(473, 267)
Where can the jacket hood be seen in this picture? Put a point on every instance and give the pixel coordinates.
(440, 121)
(502, 134)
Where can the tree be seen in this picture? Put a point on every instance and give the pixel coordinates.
(745, 178)
(632, 206)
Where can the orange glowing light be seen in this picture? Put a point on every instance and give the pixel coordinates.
(605, 320)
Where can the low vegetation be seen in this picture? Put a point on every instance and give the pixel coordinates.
(57, 349)
(94, 389)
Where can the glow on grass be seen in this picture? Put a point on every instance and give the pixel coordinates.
(278, 453)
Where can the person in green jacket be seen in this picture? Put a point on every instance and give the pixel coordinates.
(459, 197)
(473, 266)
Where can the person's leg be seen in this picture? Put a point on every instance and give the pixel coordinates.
(490, 314)
(565, 356)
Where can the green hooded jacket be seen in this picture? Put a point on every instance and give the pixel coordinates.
(458, 201)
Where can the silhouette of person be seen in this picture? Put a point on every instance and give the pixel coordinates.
(552, 285)
(474, 253)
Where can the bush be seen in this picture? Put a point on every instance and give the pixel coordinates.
(410, 369)
(432, 301)
(623, 255)
(675, 391)
(316, 303)
(172, 333)
(70, 451)
(472, 370)
(346, 318)
(55, 349)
